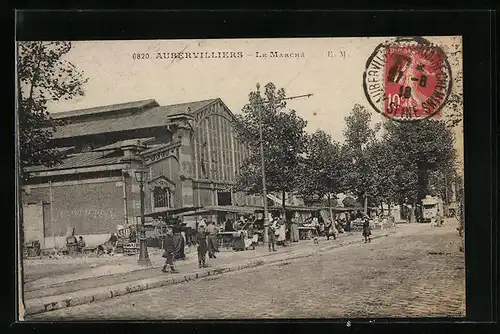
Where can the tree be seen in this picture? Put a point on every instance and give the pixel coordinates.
(284, 142)
(356, 163)
(419, 149)
(322, 168)
(350, 202)
(382, 172)
(43, 75)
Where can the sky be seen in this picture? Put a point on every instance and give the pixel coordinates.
(331, 69)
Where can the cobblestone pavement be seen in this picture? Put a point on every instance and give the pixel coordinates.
(126, 269)
(415, 275)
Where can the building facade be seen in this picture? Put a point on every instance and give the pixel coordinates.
(190, 152)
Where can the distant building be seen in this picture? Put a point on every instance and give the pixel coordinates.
(190, 151)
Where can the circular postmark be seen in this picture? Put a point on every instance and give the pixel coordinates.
(407, 79)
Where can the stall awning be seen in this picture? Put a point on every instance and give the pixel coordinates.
(170, 212)
(293, 208)
(206, 210)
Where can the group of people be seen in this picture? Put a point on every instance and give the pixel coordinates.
(276, 233)
(72, 241)
(206, 243)
(342, 224)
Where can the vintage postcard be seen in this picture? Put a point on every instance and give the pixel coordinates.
(241, 178)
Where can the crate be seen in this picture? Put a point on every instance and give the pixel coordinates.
(131, 248)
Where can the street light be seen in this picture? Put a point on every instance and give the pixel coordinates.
(264, 190)
(263, 167)
(143, 249)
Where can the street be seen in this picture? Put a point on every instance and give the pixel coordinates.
(421, 274)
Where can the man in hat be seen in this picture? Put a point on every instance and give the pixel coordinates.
(201, 240)
(272, 234)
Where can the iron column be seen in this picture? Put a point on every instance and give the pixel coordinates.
(143, 248)
(263, 166)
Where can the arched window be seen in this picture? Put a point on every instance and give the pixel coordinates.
(162, 197)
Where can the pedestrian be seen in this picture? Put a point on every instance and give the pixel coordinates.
(183, 232)
(271, 233)
(281, 232)
(321, 228)
(168, 251)
(81, 244)
(366, 230)
(294, 230)
(202, 223)
(212, 245)
(228, 227)
(330, 230)
(179, 244)
(315, 224)
(201, 240)
(252, 236)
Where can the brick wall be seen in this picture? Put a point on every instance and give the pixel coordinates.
(91, 208)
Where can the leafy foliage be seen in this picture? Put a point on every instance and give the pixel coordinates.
(413, 159)
(350, 202)
(355, 152)
(43, 75)
(284, 142)
(322, 168)
(420, 148)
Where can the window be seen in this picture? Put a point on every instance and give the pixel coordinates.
(162, 197)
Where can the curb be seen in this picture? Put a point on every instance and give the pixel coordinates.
(152, 283)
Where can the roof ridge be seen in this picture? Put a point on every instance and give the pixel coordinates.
(111, 107)
(189, 102)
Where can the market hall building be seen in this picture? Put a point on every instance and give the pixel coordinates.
(190, 151)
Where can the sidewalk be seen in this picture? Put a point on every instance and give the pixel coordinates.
(79, 288)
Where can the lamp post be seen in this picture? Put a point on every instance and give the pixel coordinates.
(143, 249)
(263, 167)
(262, 160)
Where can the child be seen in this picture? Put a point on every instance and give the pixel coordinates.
(272, 236)
(168, 254)
(366, 230)
(201, 240)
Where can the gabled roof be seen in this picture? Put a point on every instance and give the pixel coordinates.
(86, 159)
(104, 109)
(148, 118)
(122, 143)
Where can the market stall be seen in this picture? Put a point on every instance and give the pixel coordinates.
(236, 239)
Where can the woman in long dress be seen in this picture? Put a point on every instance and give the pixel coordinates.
(179, 245)
(281, 233)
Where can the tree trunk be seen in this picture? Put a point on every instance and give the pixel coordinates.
(402, 211)
(330, 206)
(381, 208)
(423, 182)
(413, 218)
(365, 208)
(283, 204)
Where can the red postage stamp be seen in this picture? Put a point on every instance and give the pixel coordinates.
(407, 79)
